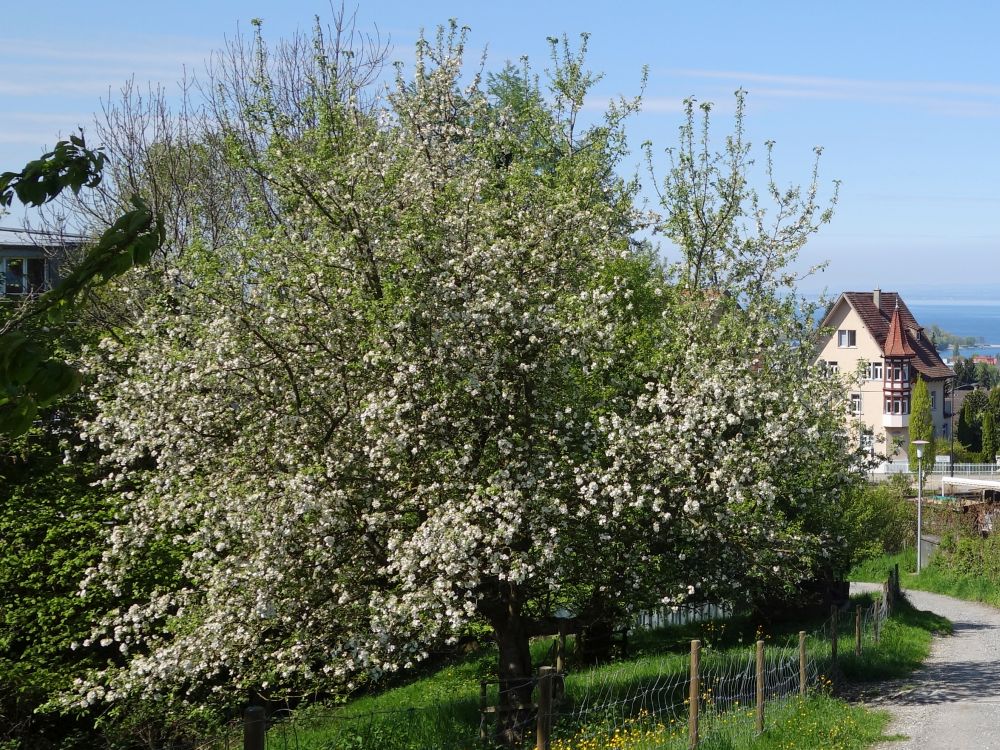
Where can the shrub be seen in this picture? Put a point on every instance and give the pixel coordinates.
(877, 518)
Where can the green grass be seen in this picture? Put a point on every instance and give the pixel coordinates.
(440, 708)
(817, 721)
(936, 578)
(905, 643)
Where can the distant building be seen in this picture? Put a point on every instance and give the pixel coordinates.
(30, 265)
(986, 359)
(877, 328)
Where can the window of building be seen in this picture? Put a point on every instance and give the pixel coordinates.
(832, 368)
(856, 404)
(874, 370)
(867, 440)
(897, 405)
(21, 276)
(846, 338)
(944, 432)
(898, 373)
(933, 405)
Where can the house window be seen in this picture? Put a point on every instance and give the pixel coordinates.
(21, 276)
(897, 405)
(874, 370)
(856, 404)
(933, 401)
(944, 430)
(898, 373)
(846, 338)
(832, 368)
(867, 440)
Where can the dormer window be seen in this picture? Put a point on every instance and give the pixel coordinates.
(847, 338)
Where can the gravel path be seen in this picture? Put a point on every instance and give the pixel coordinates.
(953, 701)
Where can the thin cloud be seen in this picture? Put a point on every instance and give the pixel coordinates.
(46, 118)
(655, 104)
(40, 87)
(159, 52)
(37, 68)
(25, 138)
(945, 97)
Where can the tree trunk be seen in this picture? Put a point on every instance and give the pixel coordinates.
(515, 715)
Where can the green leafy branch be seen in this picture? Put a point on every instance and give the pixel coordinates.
(69, 165)
(30, 378)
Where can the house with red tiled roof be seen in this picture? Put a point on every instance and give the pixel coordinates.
(878, 349)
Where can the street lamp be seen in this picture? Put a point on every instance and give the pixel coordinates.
(920, 494)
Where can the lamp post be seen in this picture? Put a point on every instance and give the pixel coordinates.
(951, 433)
(920, 494)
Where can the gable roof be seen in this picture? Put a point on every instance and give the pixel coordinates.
(892, 315)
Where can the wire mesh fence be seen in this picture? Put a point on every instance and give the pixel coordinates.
(654, 701)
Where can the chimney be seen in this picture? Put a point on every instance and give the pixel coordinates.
(877, 298)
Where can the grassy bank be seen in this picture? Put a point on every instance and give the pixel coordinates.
(817, 721)
(905, 643)
(963, 578)
(635, 703)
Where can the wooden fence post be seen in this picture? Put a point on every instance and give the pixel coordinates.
(544, 727)
(254, 728)
(857, 630)
(694, 695)
(760, 687)
(483, 732)
(560, 685)
(834, 627)
(878, 620)
(802, 663)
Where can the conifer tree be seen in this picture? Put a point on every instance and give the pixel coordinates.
(921, 425)
(989, 437)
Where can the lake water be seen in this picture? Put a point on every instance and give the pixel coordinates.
(974, 312)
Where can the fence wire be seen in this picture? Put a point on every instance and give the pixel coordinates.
(639, 705)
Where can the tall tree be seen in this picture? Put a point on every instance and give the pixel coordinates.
(921, 425)
(435, 381)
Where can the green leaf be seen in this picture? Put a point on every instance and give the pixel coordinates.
(51, 380)
(17, 416)
(23, 362)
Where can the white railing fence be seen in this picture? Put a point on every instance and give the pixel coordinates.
(940, 468)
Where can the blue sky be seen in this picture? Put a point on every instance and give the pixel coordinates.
(904, 97)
